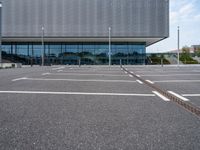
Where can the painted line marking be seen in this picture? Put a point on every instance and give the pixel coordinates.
(79, 80)
(18, 79)
(58, 68)
(75, 93)
(132, 72)
(191, 95)
(138, 75)
(150, 81)
(139, 81)
(125, 72)
(74, 71)
(45, 73)
(177, 81)
(179, 96)
(73, 74)
(130, 75)
(154, 75)
(167, 72)
(161, 96)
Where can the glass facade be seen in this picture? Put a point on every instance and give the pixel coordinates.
(72, 53)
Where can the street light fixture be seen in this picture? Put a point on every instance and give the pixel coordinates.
(109, 53)
(178, 51)
(42, 51)
(0, 32)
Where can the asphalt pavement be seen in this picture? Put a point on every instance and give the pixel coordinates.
(98, 107)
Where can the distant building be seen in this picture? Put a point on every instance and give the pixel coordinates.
(194, 48)
(78, 30)
(174, 51)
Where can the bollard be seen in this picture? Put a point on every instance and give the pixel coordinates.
(79, 62)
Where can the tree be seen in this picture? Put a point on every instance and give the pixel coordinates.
(185, 56)
(186, 50)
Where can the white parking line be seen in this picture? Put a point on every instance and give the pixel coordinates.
(125, 72)
(167, 72)
(168, 75)
(138, 75)
(130, 75)
(161, 96)
(150, 81)
(75, 93)
(58, 68)
(139, 81)
(18, 79)
(74, 71)
(73, 74)
(79, 80)
(45, 73)
(191, 95)
(179, 96)
(177, 81)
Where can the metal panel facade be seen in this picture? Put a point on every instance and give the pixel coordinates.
(86, 18)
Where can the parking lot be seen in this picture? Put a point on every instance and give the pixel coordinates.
(98, 107)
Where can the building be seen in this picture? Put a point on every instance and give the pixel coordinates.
(195, 48)
(192, 49)
(74, 30)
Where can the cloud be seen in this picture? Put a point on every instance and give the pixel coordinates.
(187, 9)
(186, 14)
(197, 17)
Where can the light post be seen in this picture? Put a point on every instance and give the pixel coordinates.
(1, 33)
(178, 51)
(109, 53)
(42, 51)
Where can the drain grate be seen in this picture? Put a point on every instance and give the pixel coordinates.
(186, 105)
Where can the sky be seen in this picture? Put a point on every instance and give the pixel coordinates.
(186, 14)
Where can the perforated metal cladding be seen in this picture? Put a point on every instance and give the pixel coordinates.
(86, 18)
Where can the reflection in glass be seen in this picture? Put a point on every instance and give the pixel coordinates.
(73, 53)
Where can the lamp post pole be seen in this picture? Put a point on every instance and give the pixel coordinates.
(1, 33)
(109, 53)
(42, 51)
(178, 46)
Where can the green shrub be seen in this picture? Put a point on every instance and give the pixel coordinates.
(185, 56)
(187, 59)
(156, 60)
